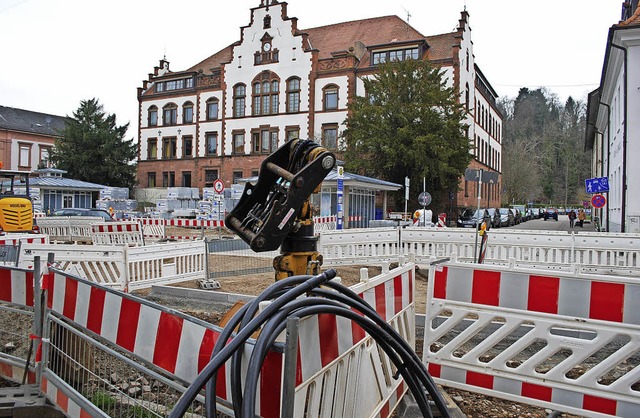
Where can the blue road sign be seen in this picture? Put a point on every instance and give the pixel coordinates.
(597, 185)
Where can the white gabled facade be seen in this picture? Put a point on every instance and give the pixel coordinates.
(613, 133)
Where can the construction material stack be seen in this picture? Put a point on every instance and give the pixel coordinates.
(181, 202)
(116, 200)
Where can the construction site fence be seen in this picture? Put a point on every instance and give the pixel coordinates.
(101, 352)
(594, 252)
(123, 267)
(564, 341)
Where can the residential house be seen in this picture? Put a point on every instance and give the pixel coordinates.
(613, 134)
(27, 137)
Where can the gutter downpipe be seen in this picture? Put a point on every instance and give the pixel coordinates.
(608, 151)
(624, 143)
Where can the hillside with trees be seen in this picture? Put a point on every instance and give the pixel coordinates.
(543, 155)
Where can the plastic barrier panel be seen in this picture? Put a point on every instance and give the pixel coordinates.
(111, 233)
(17, 328)
(562, 341)
(335, 353)
(174, 346)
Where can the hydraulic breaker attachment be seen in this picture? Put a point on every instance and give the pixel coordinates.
(269, 211)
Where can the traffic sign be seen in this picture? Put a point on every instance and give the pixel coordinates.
(424, 199)
(598, 201)
(597, 185)
(218, 186)
(471, 174)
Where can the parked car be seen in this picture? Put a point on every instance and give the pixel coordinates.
(551, 213)
(469, 218)
(521, 213)
(494, 215)
(517, 216)
(100, 213)
(506, 217)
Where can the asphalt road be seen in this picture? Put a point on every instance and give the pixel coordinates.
(562, 224)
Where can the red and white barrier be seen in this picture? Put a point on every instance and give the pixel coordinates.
(190, 223)
(110, 233)
(335, 352)
(16, 286)
(170, 341)
(15, 239)
(531, 334)
(58, 397)
(442, 220)
(182, 346)
(17, 290)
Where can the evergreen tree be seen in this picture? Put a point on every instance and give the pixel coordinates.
(409, 124)
(92, 148)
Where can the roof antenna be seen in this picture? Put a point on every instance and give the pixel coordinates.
(408, 14)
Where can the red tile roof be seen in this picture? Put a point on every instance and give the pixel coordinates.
(214, 61)
(441, 46)
(342, 36)
(633, 20)
(374, 31)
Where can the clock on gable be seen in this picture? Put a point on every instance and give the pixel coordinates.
(267, 53)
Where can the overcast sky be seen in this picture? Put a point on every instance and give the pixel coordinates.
(55, 53)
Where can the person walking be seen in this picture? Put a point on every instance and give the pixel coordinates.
(572, 218)
(582, 216)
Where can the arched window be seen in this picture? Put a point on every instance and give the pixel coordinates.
(152, 117)
(239, 95)
(187, 112)
(212, 108)
(330, 97)
(293, 95)
(170, 114)
(265, 92)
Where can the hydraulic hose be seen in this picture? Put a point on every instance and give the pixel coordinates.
(250, 308)
(226, 352)
(323, 297)
(277, 324)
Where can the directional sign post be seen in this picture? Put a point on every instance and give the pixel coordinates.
(597, 185)
(339, 196)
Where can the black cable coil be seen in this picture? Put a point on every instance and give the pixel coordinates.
(323, 297)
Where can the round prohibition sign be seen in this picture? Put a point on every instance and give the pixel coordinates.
(598, 201)
(218, 186)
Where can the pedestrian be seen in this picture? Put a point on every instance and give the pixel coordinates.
(572, 218)
(581, 217)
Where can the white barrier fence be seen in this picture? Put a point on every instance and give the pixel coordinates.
(596, 252)
(68, 228)
(564, 341)
(123, 267)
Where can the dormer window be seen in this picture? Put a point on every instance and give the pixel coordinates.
(180, 84)
(395, 55)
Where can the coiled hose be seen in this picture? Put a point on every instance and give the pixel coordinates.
(323, 297)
